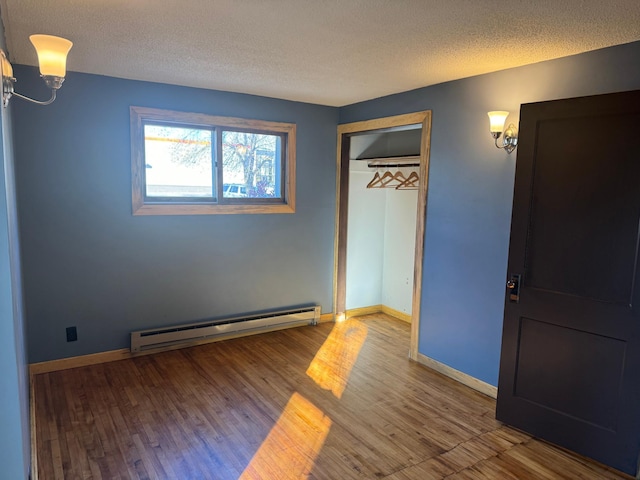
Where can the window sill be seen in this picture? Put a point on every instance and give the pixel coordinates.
(201, 209)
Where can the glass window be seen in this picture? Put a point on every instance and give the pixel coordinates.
(178, 162)
(187, 163)
(250, 160)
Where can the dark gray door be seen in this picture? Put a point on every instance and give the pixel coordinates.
(570, 363)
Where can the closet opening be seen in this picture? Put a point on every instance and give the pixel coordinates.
(380, 219)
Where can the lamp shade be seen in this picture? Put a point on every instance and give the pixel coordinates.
(52, 54)
(7, 69)
(496, 120)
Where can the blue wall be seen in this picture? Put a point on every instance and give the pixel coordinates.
(14, 387)
(88, 262)
(471, 190)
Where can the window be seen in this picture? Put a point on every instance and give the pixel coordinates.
(190, 163)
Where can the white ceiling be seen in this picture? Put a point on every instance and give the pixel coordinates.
(331, 52)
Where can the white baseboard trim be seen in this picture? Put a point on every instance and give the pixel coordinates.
(459, 376)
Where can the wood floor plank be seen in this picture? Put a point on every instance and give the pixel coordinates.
(335, 401)
(432, 469)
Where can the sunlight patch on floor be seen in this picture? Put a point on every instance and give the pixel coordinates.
(332, 365)
(295, 441)
(293, 444)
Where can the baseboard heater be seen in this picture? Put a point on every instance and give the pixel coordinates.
(203, 332)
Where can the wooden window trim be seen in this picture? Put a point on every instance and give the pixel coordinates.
(140, 115)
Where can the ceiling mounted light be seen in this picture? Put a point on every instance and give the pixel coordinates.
(52, 58)
(496, 121)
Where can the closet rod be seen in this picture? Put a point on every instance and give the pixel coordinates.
(392, 165)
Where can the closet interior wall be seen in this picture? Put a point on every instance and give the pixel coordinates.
(380, 243)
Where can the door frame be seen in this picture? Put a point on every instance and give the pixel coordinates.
(345, 131)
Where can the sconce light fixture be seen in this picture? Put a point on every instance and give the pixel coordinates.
(52, 58)
(510, 140)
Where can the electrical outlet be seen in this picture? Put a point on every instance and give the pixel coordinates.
(72, 334)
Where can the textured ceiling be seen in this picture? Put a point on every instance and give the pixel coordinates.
(331, 52)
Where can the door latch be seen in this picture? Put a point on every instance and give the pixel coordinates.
(513, 287)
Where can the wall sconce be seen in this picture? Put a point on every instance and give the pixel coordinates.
(510, 140)
(52, 58)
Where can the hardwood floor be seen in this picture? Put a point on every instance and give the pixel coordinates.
(336, 402)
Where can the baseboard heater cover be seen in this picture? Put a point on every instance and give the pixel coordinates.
(193, 333)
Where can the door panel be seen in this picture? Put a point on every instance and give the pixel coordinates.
(574, 213)
(549, 380)
(570, 363)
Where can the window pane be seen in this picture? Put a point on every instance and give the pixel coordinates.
(251, 165)
(178, 162)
